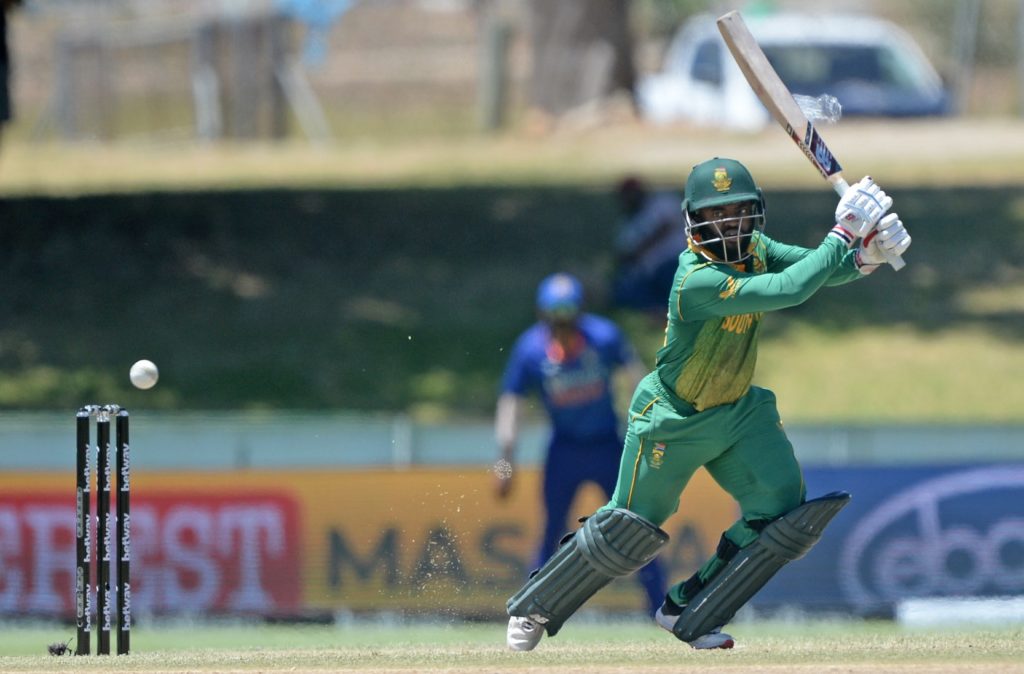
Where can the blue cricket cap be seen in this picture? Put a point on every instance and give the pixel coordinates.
(560, 294)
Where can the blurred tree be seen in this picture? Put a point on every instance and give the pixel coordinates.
(5, 63)
(659, 19)
(582, 51)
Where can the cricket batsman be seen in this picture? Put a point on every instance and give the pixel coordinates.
(698, 408)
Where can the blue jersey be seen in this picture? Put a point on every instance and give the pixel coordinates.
(575, 385)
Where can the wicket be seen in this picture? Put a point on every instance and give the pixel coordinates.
(110, 545)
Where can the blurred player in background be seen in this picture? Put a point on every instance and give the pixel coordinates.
(569, 359)
(698, 408)
(647, 247)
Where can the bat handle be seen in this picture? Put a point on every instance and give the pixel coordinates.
(840, 185)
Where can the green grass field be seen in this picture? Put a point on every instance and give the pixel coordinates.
(587, 648)
(409, 299)
(394, 277)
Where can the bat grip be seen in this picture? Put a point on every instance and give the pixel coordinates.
(840, 185)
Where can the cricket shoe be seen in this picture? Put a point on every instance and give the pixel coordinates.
(523, 634)
(667, 615)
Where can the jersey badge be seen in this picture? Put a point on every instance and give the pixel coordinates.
(657, 455)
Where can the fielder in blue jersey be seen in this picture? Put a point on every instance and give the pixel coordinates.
(569, 359)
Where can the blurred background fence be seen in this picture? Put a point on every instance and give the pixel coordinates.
(322, 69)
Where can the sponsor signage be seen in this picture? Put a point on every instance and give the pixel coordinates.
(191, 552)
(911, 532)
(294, 542)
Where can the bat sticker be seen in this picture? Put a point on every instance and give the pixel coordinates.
(819, 153)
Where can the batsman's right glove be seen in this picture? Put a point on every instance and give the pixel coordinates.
(889, 239)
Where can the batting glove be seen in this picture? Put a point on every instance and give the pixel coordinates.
(889, 239)
(859, 210)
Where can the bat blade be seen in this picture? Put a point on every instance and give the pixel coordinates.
(779, 101)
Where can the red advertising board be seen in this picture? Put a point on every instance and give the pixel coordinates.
(218, 552)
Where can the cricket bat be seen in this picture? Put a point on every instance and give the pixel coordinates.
(769, 87)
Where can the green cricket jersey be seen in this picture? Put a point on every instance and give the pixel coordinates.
(715, 312)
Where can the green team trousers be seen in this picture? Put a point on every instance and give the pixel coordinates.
(742, 446)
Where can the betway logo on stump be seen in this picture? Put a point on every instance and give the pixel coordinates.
(190, 552)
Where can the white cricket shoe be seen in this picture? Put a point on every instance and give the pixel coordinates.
(716, 638)
(523, 634)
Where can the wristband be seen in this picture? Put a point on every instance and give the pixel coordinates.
(843, 234)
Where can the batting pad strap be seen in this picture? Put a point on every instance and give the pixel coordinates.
(610, 544)
(784, 540)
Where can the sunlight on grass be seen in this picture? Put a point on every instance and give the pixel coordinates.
(992, 300)
(899, 375)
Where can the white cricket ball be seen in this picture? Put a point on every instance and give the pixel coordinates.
(144, 374)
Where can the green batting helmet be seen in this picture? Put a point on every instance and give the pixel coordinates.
(715, 183)
(719, 181)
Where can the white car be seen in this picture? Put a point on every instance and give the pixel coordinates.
(871, 66)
